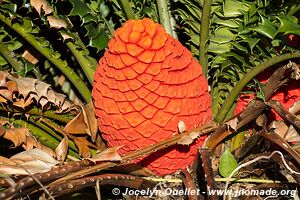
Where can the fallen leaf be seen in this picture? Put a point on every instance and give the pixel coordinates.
(76, 125)
(82, 146)
(3, 81)
(261, 120)
(32, 143)
(90, 120)
(109, 154)
(188, 139)
(65, 36)
(40, 5)
(25, 85)
(29, 57)
(41, 89)
(233, 123)
(279, 127)
(16, 135)
(2, 130)
(28, 162)
(21, 103)
(295, 109)
(292, 135)
(62, 149)
(4, 121)
(56, 22)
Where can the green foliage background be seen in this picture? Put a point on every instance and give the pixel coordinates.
(233, 40)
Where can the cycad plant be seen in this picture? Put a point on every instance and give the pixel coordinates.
(49, 51)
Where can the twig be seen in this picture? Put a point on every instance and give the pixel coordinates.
(286, 115)
(104, 179)
(205, 129)
(246, 78)
(54, 173)
(189, 184)
(278, 78)
(40, 184)
(207, 168)
(256, 160)
(274, 137)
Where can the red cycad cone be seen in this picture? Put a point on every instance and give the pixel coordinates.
(287, 95)
(146, 83)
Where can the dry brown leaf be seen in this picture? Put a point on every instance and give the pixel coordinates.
(233, 123)
(2, 130)
(279, 127)
(3, 100)
(76, 125)
(82, 146)
(185, 140)
(32, 143)
(6, 161)
(41, 89)
(40, 5)
(57, 23)
(21, 103)
(6, 94)
(188, 139)
(295, 109)
(16, 135)
(3, 81)
(62, 149)
(29, 57)
(109, 154)
(90, 120)
(25, 85)
(261, 120)
(292, 135)
(65, 36)
(30, 89)
(32, 161)
(4, 121)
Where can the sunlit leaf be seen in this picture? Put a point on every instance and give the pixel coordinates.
(288, 26)
(62, 149)
(28, 162)
(110, 154)
(233, 8)
(266, 28)
(227, 164)
(40, 5)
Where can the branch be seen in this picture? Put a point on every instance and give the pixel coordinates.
(171, 141)
(248, 77)
(253, 110)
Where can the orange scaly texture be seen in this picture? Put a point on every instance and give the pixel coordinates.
(145, 83)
